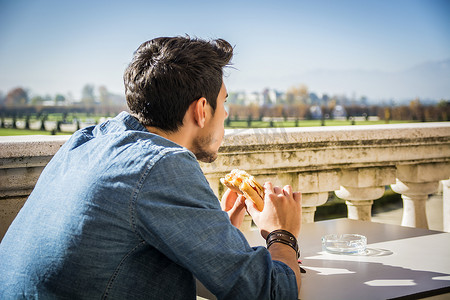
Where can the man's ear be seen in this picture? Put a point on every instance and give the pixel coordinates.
(200, 107)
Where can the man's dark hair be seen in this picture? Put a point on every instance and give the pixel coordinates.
(167, 74)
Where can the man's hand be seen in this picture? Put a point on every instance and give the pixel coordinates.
(282, 210)
(234, 205)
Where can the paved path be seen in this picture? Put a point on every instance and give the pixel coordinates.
(434, 214)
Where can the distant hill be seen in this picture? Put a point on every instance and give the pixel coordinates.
(427, 81)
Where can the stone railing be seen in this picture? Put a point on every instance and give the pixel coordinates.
(356, 162)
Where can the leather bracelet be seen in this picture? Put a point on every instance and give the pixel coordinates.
(284, 237)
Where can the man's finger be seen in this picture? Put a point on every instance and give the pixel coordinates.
(268, 187)
(228, 200)
(277, 190)
(287, 190)
(251, 207)
(239, 203)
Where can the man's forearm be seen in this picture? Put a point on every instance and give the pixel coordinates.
(287, 255)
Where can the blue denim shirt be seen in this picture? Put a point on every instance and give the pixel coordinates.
(120, 213)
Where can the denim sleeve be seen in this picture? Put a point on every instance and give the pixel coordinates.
(177, 213)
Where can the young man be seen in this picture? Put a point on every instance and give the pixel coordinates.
(123, 210)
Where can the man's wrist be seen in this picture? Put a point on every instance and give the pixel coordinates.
(283, 237)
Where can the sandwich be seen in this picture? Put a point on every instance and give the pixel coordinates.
(245, 184)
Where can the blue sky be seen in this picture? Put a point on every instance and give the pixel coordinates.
(51, 46)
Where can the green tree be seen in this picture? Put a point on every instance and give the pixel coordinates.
(36, 100)
(43, 119)
(60, 99)
(27, 122)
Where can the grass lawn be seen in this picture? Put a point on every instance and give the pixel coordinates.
(13, 132)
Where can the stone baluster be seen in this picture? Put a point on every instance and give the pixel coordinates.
(361, 186)
(446, 204)
(415, 183)
(315, 187)
(310, 202)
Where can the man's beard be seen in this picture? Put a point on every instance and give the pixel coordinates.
(200, 149)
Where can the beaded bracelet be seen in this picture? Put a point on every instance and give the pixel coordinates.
(284, 237)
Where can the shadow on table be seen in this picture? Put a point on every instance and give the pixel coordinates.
(377, 281)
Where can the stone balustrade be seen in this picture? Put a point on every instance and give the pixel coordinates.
(355, 162)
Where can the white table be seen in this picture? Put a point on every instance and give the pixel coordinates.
(400, 262)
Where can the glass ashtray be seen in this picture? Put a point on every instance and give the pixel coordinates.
(344, 243)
